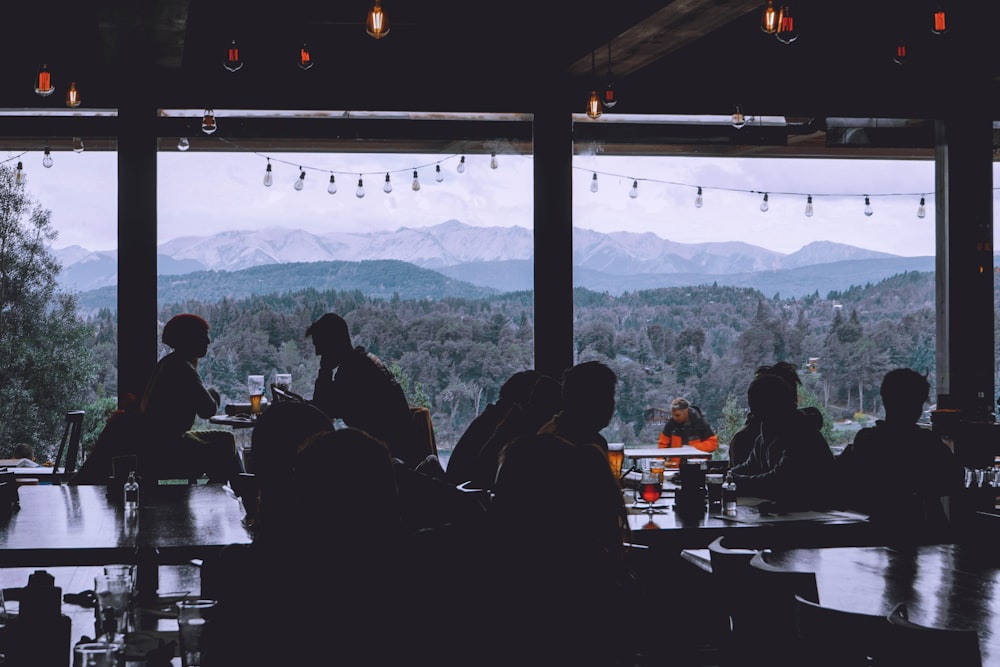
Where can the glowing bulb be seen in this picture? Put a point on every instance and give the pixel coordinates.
(786, 32)
(634, 192)
(594, 105)
(769, 19)
(940, 25)
(72, 96)
(698, 199)
(738, 121)
(77, 144)
(47, 159)
(268, 176)
(609, 100)
(377, 26)
(809, 206)
(416, 181)
(922, 209)
(360, 192)
(300, 182)
(233, 62)
(438, 174)
(332, 187)
(208, 125)
(43, 82)
(183, 144)
(593, 183)
(461, 165)
(20, 176)
(305, 58)
(763, 204)
(493, 160)
(900, 57)
(868, 207)
(387, 188)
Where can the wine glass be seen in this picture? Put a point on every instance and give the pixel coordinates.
(650, 488)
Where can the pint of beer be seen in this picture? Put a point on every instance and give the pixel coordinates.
(616, 452)
(255, 387)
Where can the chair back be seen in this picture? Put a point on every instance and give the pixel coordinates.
(70, 443)
(837, 638)
(423, 430)
(915, 645)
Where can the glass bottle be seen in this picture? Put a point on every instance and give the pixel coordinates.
(729, 493)
(131, 492)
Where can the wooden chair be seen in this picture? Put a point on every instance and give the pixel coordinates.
(837, 638)
(70, 445)
(915, 645)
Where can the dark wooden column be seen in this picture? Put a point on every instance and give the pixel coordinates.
(553, 264)
(964, 269)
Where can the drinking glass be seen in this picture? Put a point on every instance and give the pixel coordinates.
(616, 454)
(283, 381)
(113, 600)
(193, 626)
(96, 654)
(650, 488)
(255, 387)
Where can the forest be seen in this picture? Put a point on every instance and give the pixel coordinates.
(701, 342)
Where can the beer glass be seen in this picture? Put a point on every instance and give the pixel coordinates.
(616, 454)
(255, 387)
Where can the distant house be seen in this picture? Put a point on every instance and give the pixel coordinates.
(657, 415)
(812, 365)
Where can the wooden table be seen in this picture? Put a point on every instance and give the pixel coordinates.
(946, 585)
(78, 525)
(668, 452)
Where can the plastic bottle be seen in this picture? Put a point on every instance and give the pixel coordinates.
(729, 493)
(131, 493)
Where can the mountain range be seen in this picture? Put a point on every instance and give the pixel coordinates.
(500, 259)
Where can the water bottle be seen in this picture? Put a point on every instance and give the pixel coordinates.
(131, 493)
(729, 494)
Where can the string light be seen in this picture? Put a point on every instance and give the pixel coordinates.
(73, 96)
(208, 124)
(387, 188)
(609, 100)
(900, 57)
(47, 158)
(763, 204)
(786, 32)
(300, 182)
(634, 192)
(593, 183)
(376, 25)
(438, 174)
(868, 207)
(43, 82)
(769, 19)
(332, 187)
(493, 160)
(594, 105)
(922, 209)
(233, 62)
(698, 199)
(940, 24)
(738, 120)
(20, 176)
(416, 182)
(305, 58)
(78, 144)
(183, 144)
(461, 165)
(360, 192)
(268, 176)
(809, 206)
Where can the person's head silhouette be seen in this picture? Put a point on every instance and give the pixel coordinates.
(187, 334)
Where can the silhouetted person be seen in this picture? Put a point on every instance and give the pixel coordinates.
(588, 404)
(742, 442)
(173, 397)
(23, 450)
(687, 427)
(896, 471)
(462, 462)
(354, 385)
(791, 462)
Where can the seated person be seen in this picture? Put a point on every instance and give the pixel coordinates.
(23, 450)
(173, 397)
(791, 462)
(896, 471)
(687, 428)
(588, 404)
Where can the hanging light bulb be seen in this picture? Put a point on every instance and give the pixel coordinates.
(940, 24)
(47, 158)
(634, 192)
(594, 105)
(868, 207)
(461, 165)
(387, 188)
(377, 25)
(268, 176)
(300, 182)
(233, 62)
(20, 176)
(77, 144)
(493, 160)
(593, 183)
(332, 187)
(738, 120)
(609, 100)
(698, 199)
(438, 174)
(72, 96)
(416, 181)
(183, 144)
(208, 125)
(763, 204)
(922, 209)
(809, 206)
(769, 19)
(305, 57)
(900, 57)
(786, 32)
(360, 192)
(43, 82)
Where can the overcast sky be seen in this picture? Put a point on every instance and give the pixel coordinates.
(202, 193)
